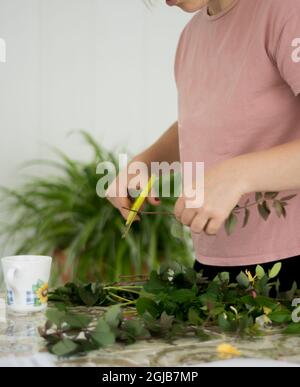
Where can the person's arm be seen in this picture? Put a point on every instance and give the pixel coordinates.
(166, 148)
(275, 169)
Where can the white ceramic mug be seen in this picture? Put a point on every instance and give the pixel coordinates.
(26, 278)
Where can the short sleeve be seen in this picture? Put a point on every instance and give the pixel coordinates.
(287, 55)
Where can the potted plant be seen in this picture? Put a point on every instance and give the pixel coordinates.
(61, 215)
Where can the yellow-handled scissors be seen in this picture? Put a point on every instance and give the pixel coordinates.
(138, 204)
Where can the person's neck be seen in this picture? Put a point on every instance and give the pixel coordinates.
(217, 6)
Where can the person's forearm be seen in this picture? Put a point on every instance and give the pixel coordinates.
(166, 148)
(275, 169)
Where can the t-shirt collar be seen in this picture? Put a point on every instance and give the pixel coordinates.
(220, 14)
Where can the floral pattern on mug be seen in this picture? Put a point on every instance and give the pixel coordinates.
(40, 290)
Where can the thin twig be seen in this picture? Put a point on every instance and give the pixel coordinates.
(149, 212)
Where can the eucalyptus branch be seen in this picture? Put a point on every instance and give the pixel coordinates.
(175, 301)
(264, 202)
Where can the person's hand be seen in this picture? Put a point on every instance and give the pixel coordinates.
(120, 197)
(223, 188)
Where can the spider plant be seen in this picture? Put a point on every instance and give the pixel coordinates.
(60, 214)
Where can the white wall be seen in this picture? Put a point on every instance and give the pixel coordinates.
(102, 65)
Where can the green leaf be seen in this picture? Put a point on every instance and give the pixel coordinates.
(278, 208)
(246, 217)
(183, 295)
(264, 210)
(177, 230)
(224, 323)
(243, 280)
(166, 321)
(258, 196)
(222, 277)
(155, 284)
(266, 301)
(260, 272)
(231, 223)
(77, 320)
(55, 316)
(64, 347)
(136, 329)
(287, 198)
(283, 211)
(113, 316)
(275, 270)
(103, 334)
(87, 295)
(293, 329)
(144, 305)
(281, 316)
(271, 195)
(194, 317)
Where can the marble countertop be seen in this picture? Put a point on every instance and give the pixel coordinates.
(21, 345)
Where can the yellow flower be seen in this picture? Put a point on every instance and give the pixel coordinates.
(250, 277)
(42, 293)
(263, 321)
(227, 351)
(267, 311)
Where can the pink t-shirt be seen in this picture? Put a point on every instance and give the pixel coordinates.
(238, 80)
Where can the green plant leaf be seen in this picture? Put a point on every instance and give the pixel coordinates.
(144, 305)
(155, 283)
(264, 210)
(281, 316)
(224, 323)
(77, 320)
(103, 334)
(258, 196)
(64, 347)
(222, 277)
(113, 316)
(279, 209)
(194, 317)
(260, 272)
(267, 302)
(243, 280)
(231, 223)
(55, 316)
(275, 270)
(292, 329)
(183, 295)
(287, 198)
(246, 217)
(166, 321)
(89, 297)
(271, 195)
(136, 329)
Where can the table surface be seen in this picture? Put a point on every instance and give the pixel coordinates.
(20, 344)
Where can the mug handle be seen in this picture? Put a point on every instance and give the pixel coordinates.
(11, 273)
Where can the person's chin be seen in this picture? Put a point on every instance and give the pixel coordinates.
(185, 6)
(189, 9)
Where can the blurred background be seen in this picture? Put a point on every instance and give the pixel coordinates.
(102, 66)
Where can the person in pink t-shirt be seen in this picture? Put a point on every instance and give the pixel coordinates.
(237, 72)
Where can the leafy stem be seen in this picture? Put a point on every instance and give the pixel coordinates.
(264, 202)
(175, 301)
